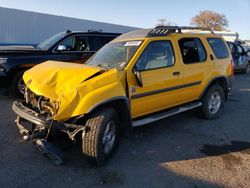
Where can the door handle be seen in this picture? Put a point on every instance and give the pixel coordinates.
(176, 73)
(211, 57)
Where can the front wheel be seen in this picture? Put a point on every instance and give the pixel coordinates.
(101, 137)
(17, 87)
(213, 102)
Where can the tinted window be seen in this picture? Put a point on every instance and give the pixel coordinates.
(192, 50)
(219, 48)
(240, 49)
(96, 42)
(232, 48)
(45, 45)
(157, 54)
(75, 43)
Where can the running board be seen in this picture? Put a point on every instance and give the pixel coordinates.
(165, 114)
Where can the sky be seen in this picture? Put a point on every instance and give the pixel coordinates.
(142, 14)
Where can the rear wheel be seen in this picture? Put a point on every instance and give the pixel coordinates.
(101, 137)
(213, 102)
(17, 87)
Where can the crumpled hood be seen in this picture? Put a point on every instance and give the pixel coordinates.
(53, 78)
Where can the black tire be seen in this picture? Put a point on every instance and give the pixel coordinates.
(92, 142)
(13, 90)
(208, 112)
(247, 69)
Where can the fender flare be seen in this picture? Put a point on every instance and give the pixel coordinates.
(124, 111)
(211, 81)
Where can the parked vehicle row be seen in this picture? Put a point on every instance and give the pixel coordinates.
(136, 79)
(69, 46)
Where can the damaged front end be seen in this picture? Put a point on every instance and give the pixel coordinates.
(35, 123)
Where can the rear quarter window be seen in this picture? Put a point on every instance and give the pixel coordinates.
(219, 48)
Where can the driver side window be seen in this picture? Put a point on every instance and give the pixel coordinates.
(240, 49)
(74, 43)
(158, 54)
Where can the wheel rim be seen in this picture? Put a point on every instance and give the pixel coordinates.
(108, 138)
(214, 103)
(21, 86)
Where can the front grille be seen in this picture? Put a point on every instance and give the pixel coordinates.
(40, 104)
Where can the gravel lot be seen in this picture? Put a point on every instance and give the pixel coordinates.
(181, 151)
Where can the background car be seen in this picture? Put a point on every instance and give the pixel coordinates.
(67, 46)
(240, 57)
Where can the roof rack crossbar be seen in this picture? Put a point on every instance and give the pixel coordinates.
(166, 30)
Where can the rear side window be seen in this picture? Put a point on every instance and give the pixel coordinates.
(192, 50)
(232, 48)
(219, 48)
(96, 42)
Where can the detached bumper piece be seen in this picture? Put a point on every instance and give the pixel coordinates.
(35, 129)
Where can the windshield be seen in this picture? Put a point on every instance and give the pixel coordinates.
(115, 54)
(47, 44)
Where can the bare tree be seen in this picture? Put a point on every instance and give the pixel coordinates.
(210, 20)
(164, 22)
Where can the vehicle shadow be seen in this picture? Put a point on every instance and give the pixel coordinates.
(154, 151)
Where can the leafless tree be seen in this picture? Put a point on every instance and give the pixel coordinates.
(210, 20)
(164, 22)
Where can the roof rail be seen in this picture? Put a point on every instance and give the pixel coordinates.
(68, 31)
(94, 31)
(166, 30)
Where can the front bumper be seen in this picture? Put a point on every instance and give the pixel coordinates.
(31, 123)
(29, 115)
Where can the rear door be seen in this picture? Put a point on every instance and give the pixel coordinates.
(75, 48)
(195, 63)
(234, 52)
(242, 59)
(159, 73)
(98, 41)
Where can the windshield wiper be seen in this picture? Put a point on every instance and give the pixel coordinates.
(106, 66)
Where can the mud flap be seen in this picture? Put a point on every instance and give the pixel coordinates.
(50, 151)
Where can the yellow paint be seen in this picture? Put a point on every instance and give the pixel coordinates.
(65, 82)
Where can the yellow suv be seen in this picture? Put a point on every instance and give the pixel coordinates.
(138, 78)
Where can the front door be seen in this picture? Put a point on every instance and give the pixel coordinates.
(73, 49)
(158, 78)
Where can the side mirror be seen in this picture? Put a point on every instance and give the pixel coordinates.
(61, 48)
(138, 78)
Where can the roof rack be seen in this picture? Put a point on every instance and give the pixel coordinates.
(166, 30)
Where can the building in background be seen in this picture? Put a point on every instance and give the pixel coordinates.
(24, 27)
